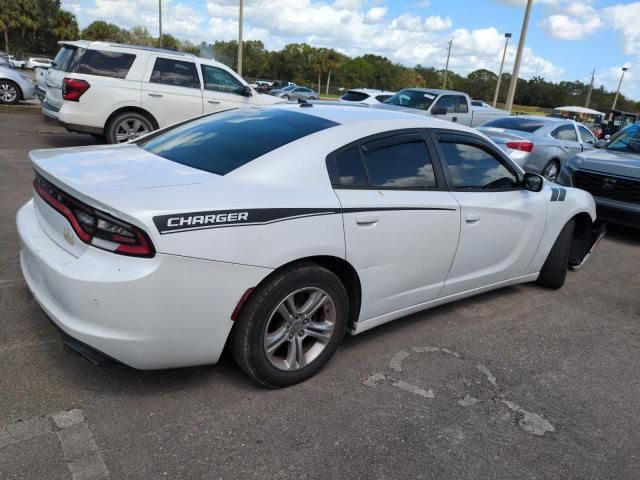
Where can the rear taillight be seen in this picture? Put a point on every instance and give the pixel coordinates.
(94, 227)
(522, 146)
(73, 89)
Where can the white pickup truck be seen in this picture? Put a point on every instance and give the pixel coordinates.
(445, 104)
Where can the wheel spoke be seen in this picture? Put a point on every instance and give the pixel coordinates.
(295, 355)
(136, 125)
(314, 302)
(121, 137)
(284, 312)
(320, 331)
(274, 340)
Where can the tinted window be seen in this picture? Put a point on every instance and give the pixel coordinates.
(514, 123)
(627, 140)
(383, 98)
(223, 142)
(220, 80)
(405, 165)
(105, 64)
(175, 72)
(453, 104)
(65, 57)
(587, 136)
(413, 99)
(354, 97)
(349, 168)
(565, 132)
(472, 167)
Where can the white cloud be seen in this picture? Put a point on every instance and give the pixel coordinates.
(564, 27)
(626, 19)
(436, 22)
(376, 14)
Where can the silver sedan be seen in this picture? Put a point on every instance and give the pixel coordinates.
(15, 86)
(539, 144)
(296, 93)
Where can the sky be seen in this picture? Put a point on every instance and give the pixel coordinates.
(566, 40)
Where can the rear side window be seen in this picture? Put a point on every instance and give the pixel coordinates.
(354, 97)
(565, 132)
(225, 141)
(349, 168)
(514, 123)
(65, 57)
(383, 98)
(175, 72)
(404, 165)
(105, 64)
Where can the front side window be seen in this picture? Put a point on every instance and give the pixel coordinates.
(587, 136)
(175, 72)
(566, 133)
(472, 167)
(405, 165)
(105, 64)
(352, 96)
(219, 80)
(453, 104)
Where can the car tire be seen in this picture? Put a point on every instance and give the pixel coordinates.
(286, 97)
(10, 93)
(312, 98)
(98, 137)
(127, 126)
(296, 352)
(554, 270)
(551, 170)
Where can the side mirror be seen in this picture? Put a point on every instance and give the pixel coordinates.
(533, 182)
(600, 144)
(607, 137)
(438, 111)
(247, 91)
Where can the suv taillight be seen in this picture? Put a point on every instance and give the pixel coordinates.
(94, 227)
(73, 89)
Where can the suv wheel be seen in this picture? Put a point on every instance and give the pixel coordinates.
(9, 92)
(128, 126)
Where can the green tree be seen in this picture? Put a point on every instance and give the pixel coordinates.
(100, 30)
(355, 73)
(140, 36)
(65, 26)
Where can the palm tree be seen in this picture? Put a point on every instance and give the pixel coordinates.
(9, 18)
(333, 62)
(65, 26)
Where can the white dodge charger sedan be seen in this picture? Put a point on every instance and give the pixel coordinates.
(275, 230)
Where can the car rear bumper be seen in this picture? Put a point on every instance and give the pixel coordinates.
(164, 312)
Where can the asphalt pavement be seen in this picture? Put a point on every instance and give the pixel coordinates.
(518, 383)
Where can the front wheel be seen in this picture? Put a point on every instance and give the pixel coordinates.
(554, 270)
(286, 97)
(9, 92)
(291, 325)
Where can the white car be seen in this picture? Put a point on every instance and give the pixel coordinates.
(121, 91)
(366, 96)
(34, 62)
(278, 229)
(15, 63)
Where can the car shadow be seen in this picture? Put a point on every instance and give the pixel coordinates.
(622, 234)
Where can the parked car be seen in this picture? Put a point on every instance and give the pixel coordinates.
(122, 91)
(281, 84)
(611, 173)
(296, 93)
(15, 63)
(40, 81)
(445, 104)
(4, 62)
(34, 62)
(366, 96)
(540, 144)
(15, 86)
(225, 230)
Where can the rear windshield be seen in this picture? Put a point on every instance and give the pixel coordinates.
(222, 142)
(354, 96)
(514, 123)
(65, 58)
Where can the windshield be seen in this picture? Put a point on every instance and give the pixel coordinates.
(413, 99)
(628, 140)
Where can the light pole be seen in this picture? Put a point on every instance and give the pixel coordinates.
(516, 66)
(504, 54)
(160, 22)
(615, 99)
(446, 68)
(593, 77)
(240, 40)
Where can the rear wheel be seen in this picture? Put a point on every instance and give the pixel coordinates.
(554, 270)
(128, 126)
(9, 92)
(286, 97)
(291, 326)
(551, 170)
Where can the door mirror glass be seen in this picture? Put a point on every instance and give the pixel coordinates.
(439, 111)
(247, 91)
(600, 144)
(532, 182)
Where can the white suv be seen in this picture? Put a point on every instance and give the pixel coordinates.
(121, 91)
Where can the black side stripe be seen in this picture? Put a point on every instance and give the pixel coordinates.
(558, 194)
(182, 222)
(554, 194)
(563, 194)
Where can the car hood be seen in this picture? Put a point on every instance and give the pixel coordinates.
(606, 161)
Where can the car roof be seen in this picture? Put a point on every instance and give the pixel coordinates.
(89, 44)
(371, 91)
(435, 91)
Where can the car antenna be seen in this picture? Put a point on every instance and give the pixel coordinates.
(303, 103)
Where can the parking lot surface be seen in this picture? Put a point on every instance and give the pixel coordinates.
(519, 383)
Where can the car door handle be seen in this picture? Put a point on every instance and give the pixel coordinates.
(367, 219)
(472, 218)
(155, 94)
(214, 102)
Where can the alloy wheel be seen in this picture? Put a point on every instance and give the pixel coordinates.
(299, 329)
(8, 93)
(130, 129)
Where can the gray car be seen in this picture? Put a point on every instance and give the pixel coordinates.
(539, 144)
(15, 86)
(611, 173)
(296, 93)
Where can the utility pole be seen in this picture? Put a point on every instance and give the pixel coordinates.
(615, 99)
(504, 54)
(516, 66)
(160, 22)
(446, 68)
(240, 40)
(593, 76)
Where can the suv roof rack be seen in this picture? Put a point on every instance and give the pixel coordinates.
(89, 43)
